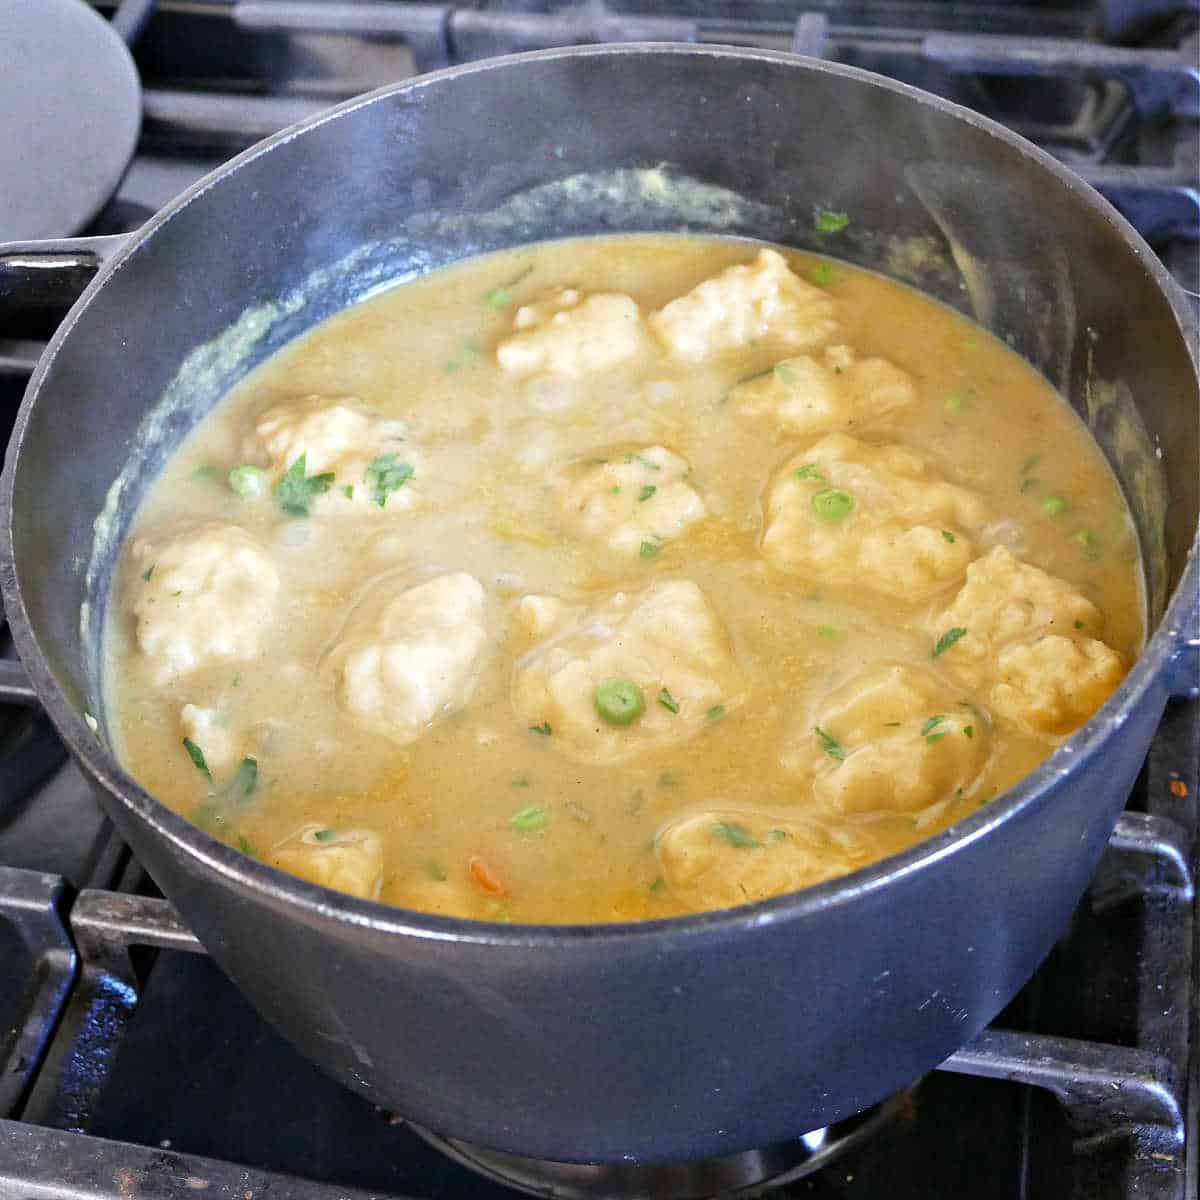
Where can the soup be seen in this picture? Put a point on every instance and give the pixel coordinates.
(618, 578)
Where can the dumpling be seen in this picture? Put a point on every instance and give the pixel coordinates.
(720, 858)
(665, 640)
(566, 334)
(630, 499)
(349, 860)
(896, 738)
(1031, 640)
(847, 512)
(803, 396)
(373, 466)
(1053, 684)
(206, 595)
(410, 660)
(742, 304)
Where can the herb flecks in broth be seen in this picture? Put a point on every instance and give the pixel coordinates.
(615, 579)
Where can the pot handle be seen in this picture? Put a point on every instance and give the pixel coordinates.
(1183, 668)
(52, 274)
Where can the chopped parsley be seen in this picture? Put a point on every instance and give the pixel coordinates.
(808, 471)
(735, 834)
(947, 536)
(529, 819)
(1088, 541)
(657, 886)
(668, 701)
(823, 274)
(544, 729)
(667, 780)
(715, 713)
(934, 738)
(244, 781)
(776, 835)
(1029, 484)
(434, 871)
(825, 221)
(1078, 624)
(501, 297)
(832, 504)
(470, 352)
(785, 374)
(969, 730)
(348, 491)
(827, 631)
(1054, 505)
(148, 572)
(954, 402)
(197, 756)
(206, 473)
(829, 745)
(521, 781)
(641, 458)
(1031, 462)
(947, 640)
(649, 549)
(325, 835)
(246, 846)
(931, 724)
(386, 475)
(294, 491)
(647, 491)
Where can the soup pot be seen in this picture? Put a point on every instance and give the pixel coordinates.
(668, 1039)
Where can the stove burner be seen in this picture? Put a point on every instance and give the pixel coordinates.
(729, 1177)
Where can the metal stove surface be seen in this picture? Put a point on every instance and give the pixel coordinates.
(130, 1067)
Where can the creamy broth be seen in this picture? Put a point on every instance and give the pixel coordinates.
(607, 607)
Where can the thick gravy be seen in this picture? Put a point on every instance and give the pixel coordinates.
(618, 578)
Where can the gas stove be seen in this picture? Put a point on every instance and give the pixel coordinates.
(130, 1067)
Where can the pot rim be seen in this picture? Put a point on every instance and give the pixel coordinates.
(254, 878)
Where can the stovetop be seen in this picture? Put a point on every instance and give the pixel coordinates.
(130, 1067)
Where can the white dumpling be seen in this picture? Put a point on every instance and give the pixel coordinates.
(666, 636)
(630, 499)
(1031, 642)
(849, 512)
(895, 738)
(743, 304)
(374, 466)
(719, 859)
(801, 395)
(205, 595)
(567, 334)
(349, 860)
(414, 658)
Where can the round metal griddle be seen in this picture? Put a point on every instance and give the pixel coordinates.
(70, 112)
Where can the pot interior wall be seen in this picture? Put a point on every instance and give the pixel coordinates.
(567, 144)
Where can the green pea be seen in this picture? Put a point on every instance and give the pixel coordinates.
(248, 482)
(832, 504)
(618, 701)
(1054, 505)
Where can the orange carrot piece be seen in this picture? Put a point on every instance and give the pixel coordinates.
(484, 876)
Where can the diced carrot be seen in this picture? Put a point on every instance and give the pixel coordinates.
(483, 875)
(1179, 789)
